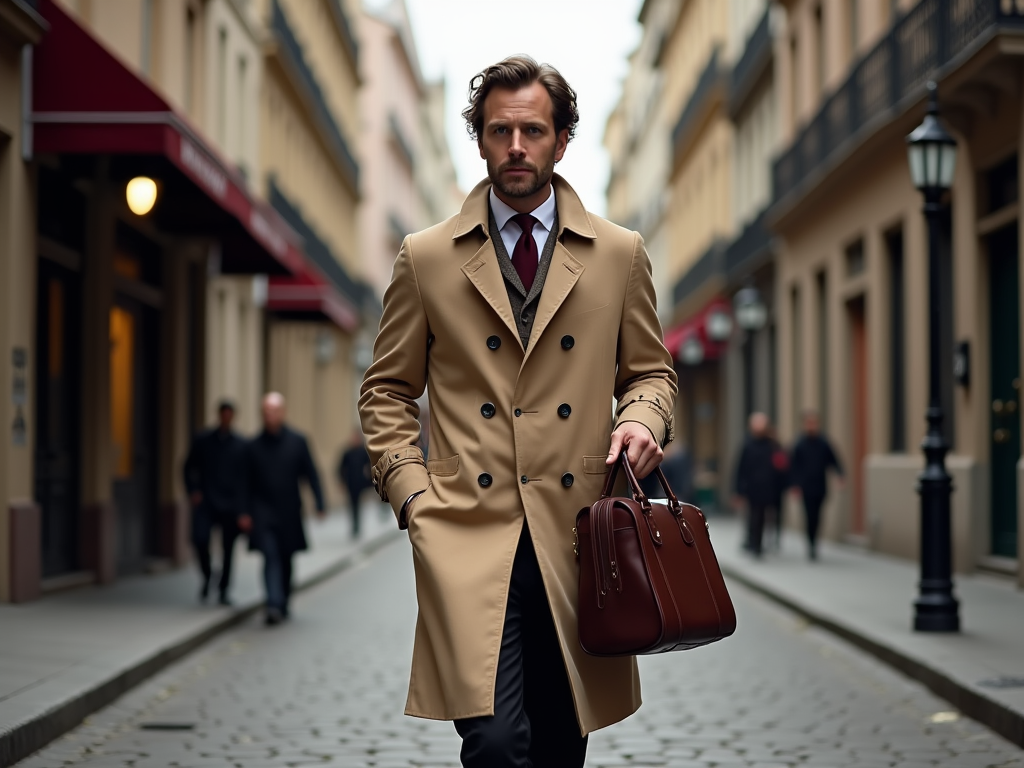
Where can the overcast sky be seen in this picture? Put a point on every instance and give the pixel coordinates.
(588, 41)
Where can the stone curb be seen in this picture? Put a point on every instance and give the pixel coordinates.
(32, 735)
(1007, 722)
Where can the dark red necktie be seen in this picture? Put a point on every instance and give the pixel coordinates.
(524, 255)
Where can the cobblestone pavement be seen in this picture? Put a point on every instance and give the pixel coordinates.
(327, 690)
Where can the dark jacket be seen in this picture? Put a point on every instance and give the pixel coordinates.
(812, 456)
(274, 465)
(354, 469)
(214, 469)
(757, 477)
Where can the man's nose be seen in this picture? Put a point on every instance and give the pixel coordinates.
(516, 148)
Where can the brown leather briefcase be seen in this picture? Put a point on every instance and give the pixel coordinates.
(649, 578)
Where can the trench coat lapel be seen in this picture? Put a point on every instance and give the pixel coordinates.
(484, 273)
(563, 273)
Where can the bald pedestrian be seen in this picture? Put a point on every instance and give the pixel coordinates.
(276, 461)
(757, 478)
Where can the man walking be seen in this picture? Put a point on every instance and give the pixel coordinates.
(213, 479)
(523, 317)
(354, 474)
(812, 458)
(757, 479)
(275, 461)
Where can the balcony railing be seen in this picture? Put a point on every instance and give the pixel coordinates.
(932, 38)
(710, 263)
(318, 251)
(749, 251)
(755, 61)
(292, 51)
(710, 80)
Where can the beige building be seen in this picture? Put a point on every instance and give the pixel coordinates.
(228, 122)
(852, 268)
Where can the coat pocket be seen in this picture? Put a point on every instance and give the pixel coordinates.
(443, 467)
(594, 465)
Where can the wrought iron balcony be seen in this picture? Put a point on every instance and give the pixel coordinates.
(291, 51)
(749, 251)
(755, 61)
(318, 251)
(711, 83)
(710, 264)
(929, 41)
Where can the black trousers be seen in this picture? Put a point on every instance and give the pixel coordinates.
(756, 512)
(277, 572)
(812, 510)
(203, 522)
(534, 723)
(353, 501)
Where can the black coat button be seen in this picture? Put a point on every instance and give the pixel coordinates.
(493, 342)
(567, 479)
(484, 480)
(487, 410)
(568, 342)
(564, 410)
(524, 479)
(518, 411)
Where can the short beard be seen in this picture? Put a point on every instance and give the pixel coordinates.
(524, 187)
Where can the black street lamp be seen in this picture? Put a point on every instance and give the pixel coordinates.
(751, 316)
(932, 154)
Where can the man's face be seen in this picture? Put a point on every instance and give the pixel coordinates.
(520, 144)
(273, 414)
(811, 424)
(227, 415)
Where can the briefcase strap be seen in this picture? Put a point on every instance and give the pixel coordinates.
(634, 485)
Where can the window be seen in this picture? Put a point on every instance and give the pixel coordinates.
(794, 80)
(222, 86)
(190, 52)
(146, 41)
(819, 43)
(854, 16)
(1002, 184)
(798, 361)
(855, 260)
(243, 118)
(897, 345)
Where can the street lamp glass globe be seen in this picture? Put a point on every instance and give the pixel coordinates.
(691, 351)
(751, 313)
(931, 150)
(141, 195)
(718, 324)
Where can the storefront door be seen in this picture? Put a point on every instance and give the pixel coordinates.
(57, 408)
(859, 415)
(1004, 309)
(133, 403)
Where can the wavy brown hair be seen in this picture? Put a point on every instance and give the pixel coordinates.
(514, 73)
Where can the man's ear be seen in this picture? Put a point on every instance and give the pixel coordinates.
(480, 146)
(561, 142)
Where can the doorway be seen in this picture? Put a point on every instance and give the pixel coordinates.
(856, 313)
(57, 415)
(1004, 354)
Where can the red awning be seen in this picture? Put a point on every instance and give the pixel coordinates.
(86, 102)
(306, 294)
(697, 325)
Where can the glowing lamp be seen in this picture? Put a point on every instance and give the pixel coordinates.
(141, 194)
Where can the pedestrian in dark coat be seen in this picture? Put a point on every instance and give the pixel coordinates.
(678, 469)
(213, 479)
(354, 474)
(275, 461)
(757, 479)
(812, 457)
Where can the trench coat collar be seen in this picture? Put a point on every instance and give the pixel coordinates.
(571, 213)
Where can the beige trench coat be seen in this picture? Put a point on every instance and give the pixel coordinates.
(596, 337)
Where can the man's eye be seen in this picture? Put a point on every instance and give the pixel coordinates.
(534, 129)
(501, 129)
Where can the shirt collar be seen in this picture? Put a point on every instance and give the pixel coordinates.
(544, 213)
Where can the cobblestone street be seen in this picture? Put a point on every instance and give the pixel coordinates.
(328, 688)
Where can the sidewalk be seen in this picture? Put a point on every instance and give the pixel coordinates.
(868, 599)
(68, 654)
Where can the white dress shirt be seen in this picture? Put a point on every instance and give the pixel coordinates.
(510, 231)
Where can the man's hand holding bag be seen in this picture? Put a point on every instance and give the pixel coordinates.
(649, 579)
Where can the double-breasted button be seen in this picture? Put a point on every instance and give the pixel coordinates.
(524, 479)
(518, 411)
(487, 410)
(567, 479)
(564, 410)
(568, 342)
(484, 479)
(493, 342)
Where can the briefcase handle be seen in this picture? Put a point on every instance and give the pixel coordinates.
(634, 485)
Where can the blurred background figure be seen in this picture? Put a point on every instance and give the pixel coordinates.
(780, 461)
(812, 457)
(757, 479)
(213, 478)
(354, 475)
(678, 468)
(275, 462)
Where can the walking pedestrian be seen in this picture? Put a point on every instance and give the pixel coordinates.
(757, 479)
(275, 462)
(213, 479)
(813, 456)
(354, 474)
(678, 468)
(780, 460)
(527, 315)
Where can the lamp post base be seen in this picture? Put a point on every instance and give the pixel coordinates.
(936, 613)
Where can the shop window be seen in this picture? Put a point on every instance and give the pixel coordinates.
(122, 390)
(1002, 184)
(855, 259)
(897, 344)
(136, 257)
